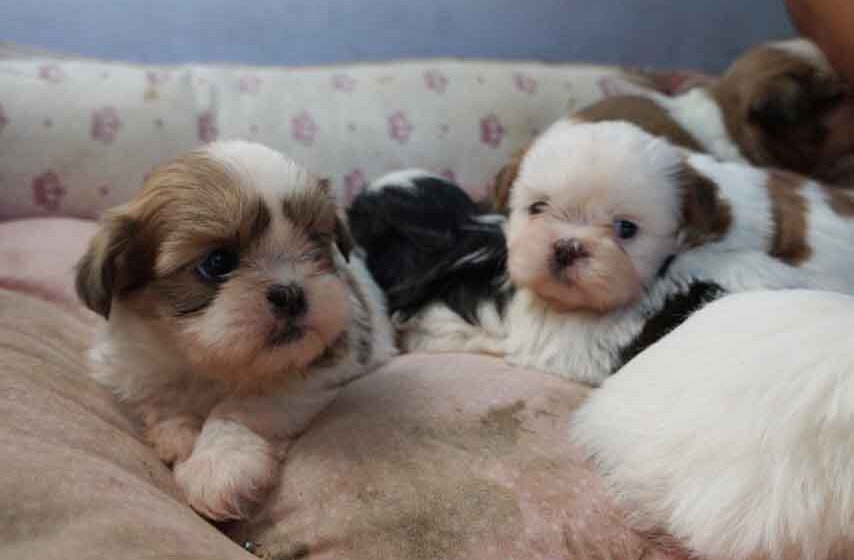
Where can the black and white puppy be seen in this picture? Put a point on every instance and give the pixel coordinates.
(440, 259)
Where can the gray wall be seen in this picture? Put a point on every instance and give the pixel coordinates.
(702, 34)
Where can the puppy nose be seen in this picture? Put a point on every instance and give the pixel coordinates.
(287, 300)
(567, 251)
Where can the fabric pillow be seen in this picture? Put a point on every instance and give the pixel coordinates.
(431, 457)
(78, 136)
(444, 457)
(75, 482)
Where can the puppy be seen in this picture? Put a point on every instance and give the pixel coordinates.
(778, 105)
(615, 236)
(735, 434)
(233, 315)
(434, 252)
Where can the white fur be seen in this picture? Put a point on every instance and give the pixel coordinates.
(437, 329)
(403, 178)
(735, 433)
(699, 114)
(261, 168)
(804, 49)
(224, 442)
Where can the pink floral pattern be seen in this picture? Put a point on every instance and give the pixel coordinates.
(354, 182)
(399, 127)
(491, 131)
(525, 83)
(51, 73)
(249, 84)
(105, 125)
(207, 129)
(435, 80)
(343, 82)
(48, 191)
(303, 128)
(133, 107)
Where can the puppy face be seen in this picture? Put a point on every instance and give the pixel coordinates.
(596, 211)
(786, 107)
(236, 253)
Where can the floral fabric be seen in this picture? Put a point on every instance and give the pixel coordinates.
(78, 136)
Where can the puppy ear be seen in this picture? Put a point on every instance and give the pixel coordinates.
(504, 182)
(784, 102)
(105, 269)
(706, 216)
(343, 239)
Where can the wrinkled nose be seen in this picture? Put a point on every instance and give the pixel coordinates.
(287, 300)
(567, 251)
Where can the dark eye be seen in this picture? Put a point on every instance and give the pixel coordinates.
(217, 264)
(537, 208)
(625, 229)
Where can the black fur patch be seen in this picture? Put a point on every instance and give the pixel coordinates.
(431, 243)
(665, 266)
(676, 309)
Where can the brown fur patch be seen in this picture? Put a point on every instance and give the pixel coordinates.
(311, 209)
(119, 259)
(186, 208)
(184, 293)
(195, 204)
(705, 216)
(642, 112)
(841, 200)
(314, 211)
(504, 180)
(789, 213)
(776, 107)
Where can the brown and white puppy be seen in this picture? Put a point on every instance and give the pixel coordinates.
(616, 235)
(778, 105)
(233, 315)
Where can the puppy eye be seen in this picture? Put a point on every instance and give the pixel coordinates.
(217, 264)
(537, 208)
(625, 229)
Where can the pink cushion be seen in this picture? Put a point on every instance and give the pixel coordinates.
(445, 457)
(38, 256)
(75, 482)
(451, 456)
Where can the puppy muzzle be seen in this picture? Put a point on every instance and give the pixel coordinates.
(565, 254)
(288, 304)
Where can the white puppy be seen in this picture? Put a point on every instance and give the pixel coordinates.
(233, 315)
(735, 433)
(615, 236)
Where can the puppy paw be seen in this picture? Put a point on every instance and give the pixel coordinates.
(173, 438)
(230, 470)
